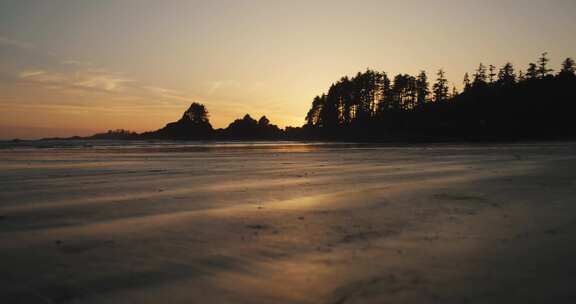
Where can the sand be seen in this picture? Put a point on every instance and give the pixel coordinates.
(289, 223)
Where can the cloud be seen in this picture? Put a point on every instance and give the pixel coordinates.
(42, 76)
(71, 75)
(121, 88)
(15, 43)
(82, 79)
(105, 82)
(168, 93)
(214, 86)
(31, 73)
(77, 63)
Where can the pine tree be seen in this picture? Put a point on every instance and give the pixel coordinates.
(543, 70)
(480, 76)
(532, 71)
(422, 90)
(400, 91)
(411, 92)
(313, 118)
(467, 84)
(454, 92)
(386, 95)
(492, 73)
(521, 76)
(568, 67)
(440, 88)
(506, 75)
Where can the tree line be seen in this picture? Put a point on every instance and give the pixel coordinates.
(195, 125)
(495, 103)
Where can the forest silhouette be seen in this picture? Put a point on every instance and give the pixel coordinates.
(495, 104)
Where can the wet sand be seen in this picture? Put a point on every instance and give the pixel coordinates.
(289, 223)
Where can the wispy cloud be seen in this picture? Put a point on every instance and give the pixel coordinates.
(71, 75)
(168, 93)
(73, 86)
(78, 63)
(16, 43)
(107, 82)
(42, 77)
(214, 86)
(100, 80)
(31, 73)
(82, 79)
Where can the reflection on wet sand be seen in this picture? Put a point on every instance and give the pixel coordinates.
(288, 224)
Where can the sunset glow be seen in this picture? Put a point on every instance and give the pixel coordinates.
(79, 67)
(287, 151)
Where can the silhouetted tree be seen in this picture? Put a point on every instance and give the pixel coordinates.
(506, 75)
(385, 103)
(543, 69)
(404, 92)
(263, 121)
(313, 117)
(480, 77)
(373, 90)
(196, 113)
(492, 73)
(440, 88)
(329, 114)
(454, 92)
(466, 82)
(345, 100)
(568, 67)
(521, 76)
(422, 90)
(532, 71)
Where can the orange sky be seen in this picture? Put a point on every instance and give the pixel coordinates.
(77, 67)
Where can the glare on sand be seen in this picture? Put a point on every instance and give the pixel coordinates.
(287, 224)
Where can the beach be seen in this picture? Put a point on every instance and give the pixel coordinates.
(288, 222)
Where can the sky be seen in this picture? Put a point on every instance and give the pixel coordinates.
(76, 67)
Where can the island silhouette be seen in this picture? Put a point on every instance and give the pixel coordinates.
(495, 104)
